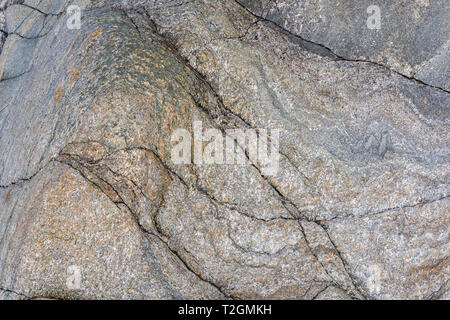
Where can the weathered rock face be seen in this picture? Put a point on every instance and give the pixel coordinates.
(412, 36)
(4, 4)
(357, 209)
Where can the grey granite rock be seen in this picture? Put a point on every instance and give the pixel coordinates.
(412, 38)
(15, 16)
(17, 57)
(4, 4)
(358, 208)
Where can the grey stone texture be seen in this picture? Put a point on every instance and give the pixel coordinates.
(359, 207)
(413, 37)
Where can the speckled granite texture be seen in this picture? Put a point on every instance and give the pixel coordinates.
(358, 209)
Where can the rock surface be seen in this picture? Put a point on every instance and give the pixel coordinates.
(358, 209)
(412, 37)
